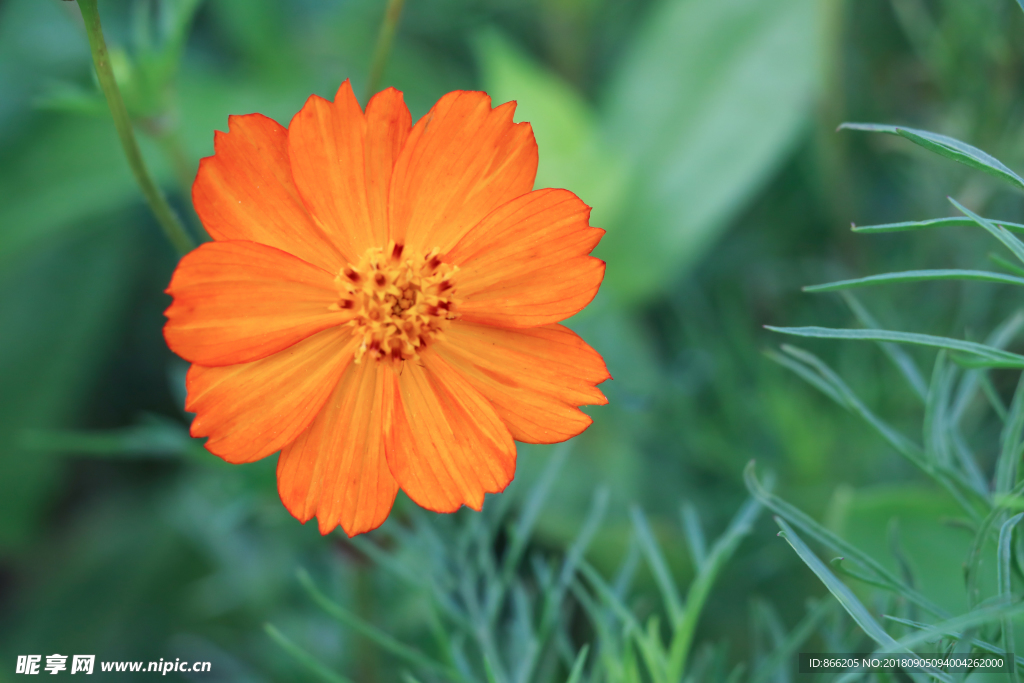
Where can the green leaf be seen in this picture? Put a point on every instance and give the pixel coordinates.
(383, 640)
(896, 354)
(956, 635)
(573, 154)
(659, 567)
(1011, 442)
(797, 637)
(829, 382)
(837, 588)
(947, 147)
(990, 357)
(308, 661)
(694, 535)
(831, 540)
(1000, 233)
(700, 140)
(700, 588)
(1004, 578)
(918, 276)
(931, 223)
(576, 673)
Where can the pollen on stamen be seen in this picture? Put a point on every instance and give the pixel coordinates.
(401, 302)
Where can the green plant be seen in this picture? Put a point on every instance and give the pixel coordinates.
(959, 404)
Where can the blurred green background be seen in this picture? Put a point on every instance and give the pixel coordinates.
(702, 133)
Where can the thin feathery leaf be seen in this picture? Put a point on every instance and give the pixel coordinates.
(659, 567)
(700, 588)
(797, 637)
(576, 673)
(381, 638)
(1000, 233)
(1011, 441)
(918, 276)
(895, 352)
(694, 535)
(308, 661)
(839, 590)
(951, 148)
(952, 222)
(829, 539)
(991, 357)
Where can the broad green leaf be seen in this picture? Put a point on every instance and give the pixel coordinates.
(990, 357)
(918, 276)
(704, 106)
(931, 223)
(573, 154)
(947, 147)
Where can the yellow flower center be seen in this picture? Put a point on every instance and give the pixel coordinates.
(402, 302)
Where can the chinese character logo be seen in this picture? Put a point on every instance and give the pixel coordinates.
(82, 664)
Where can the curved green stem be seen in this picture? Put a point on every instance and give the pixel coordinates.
(165, 215)
(383, 48)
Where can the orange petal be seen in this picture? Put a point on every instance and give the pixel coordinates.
(527, 263)
(236, 302)
(342, 162)
(535, 377)
(462, 161)
(245, 192)
(253, 409)
(445, 445)
(336, 469)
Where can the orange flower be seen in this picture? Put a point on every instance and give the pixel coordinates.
(380, 304)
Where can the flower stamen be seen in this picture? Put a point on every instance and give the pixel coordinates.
(400, 305)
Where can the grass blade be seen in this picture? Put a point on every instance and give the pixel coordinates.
(723, 549)
(694, 535)
(576, 673)
(656, 561)
(948, 147)
(991, 357)
(784, 652)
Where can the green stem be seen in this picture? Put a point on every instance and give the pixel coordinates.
(165, 215)
(383, 48)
